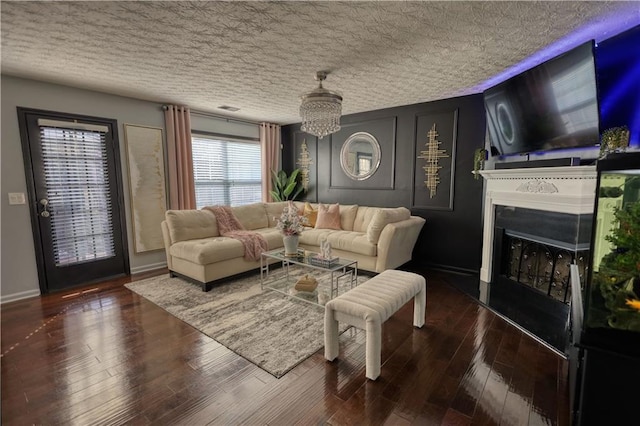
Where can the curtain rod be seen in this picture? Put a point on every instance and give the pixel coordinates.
(213, 115)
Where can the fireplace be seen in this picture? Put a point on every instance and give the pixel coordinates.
(537, 222)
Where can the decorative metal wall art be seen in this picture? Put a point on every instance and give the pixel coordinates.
(432, 156)
(434, 160)
(303, 163)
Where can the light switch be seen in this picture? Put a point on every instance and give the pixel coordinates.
(16, 198)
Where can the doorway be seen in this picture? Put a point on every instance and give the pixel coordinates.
(76, 203)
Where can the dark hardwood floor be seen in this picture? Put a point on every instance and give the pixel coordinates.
(104, 355)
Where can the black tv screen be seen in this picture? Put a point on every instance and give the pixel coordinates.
(551, 106)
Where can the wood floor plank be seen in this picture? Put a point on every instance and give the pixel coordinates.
(518, 401)
(546, 383)
(475, 378)
(104, 355)
(491, 402)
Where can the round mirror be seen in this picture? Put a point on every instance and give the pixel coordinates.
(360, 156)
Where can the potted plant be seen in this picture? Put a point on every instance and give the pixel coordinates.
(614, 139)
(479, 157)
(285, 187)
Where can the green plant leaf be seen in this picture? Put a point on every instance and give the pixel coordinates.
(275, 196)
(289, 189)
(294, 176)
(285, 187)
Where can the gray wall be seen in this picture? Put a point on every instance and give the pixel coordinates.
(19, 276)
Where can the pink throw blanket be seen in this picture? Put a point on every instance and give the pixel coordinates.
(229, 226)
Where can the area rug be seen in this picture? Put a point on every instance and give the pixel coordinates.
(270, 329)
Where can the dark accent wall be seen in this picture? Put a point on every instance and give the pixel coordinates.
(450, 238)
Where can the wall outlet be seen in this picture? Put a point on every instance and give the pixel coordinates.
(16, 198)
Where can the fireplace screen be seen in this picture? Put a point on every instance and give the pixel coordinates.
(542, 267)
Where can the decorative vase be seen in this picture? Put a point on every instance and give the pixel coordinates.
(290, 245)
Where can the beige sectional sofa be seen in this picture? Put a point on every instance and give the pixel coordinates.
(378, 238)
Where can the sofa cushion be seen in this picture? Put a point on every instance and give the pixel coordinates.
(191, 224)
(274, 210)
(208, 250)
(300, 205)
(363, 218)
(355, 242)
(313, 237)
(252, 216)
(311, 214)
(348, 216)
(328, 217)
(273, 237)
(204, 251)
(351, 241)
(384, 217)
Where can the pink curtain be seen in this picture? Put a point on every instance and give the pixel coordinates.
(270, 143)
(182, 193)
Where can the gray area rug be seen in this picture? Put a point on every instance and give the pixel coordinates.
(272, 330)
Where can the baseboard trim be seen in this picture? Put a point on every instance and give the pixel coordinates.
(525, 331)
(149, 267)
(455, 269)
(19, 296)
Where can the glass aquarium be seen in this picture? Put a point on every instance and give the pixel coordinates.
(612, 303)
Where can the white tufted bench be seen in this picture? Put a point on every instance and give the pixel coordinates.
(369, 305)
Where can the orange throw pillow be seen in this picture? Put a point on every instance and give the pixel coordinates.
(328, 217)
(310, 214)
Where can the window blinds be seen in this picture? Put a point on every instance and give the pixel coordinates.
(77, 181)
(226, 172)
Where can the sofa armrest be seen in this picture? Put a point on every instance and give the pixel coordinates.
(396, 243)
(167, 242)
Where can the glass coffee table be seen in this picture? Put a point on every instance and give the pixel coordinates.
(341, 274)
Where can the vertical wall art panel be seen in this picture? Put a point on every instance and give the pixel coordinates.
(306, 159)
(434, 160)
(145, 159)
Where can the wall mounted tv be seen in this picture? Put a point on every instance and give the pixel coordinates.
(551, 106)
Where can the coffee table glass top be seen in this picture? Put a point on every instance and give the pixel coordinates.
(305, 258)
(336, 278)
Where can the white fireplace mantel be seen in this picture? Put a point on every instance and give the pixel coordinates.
(569, 189)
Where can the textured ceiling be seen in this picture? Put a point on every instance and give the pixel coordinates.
(261, 56)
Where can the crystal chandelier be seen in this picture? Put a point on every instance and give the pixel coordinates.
(321, 109)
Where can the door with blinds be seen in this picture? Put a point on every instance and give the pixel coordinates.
(75, 193)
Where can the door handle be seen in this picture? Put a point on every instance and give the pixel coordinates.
(44, 212)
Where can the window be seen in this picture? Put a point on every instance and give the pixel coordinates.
(77, 181)
(226, 172)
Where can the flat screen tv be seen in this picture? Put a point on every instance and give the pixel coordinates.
(551, 106)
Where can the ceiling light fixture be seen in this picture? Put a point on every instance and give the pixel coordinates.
(321, 109)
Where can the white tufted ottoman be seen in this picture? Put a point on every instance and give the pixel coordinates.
(369, 305)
